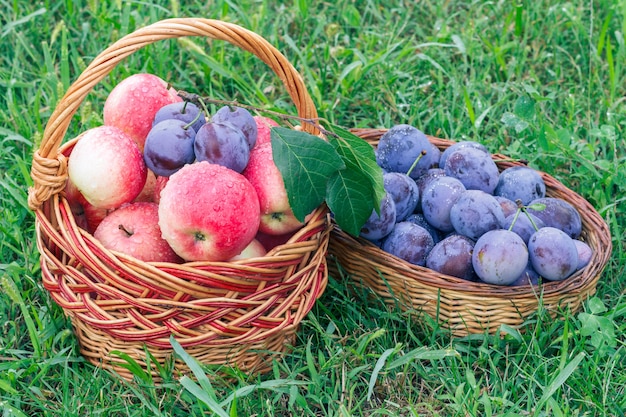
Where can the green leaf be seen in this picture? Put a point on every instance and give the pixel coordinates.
(350, 200)
(341, 171)
(537, 206)
(564, 136)
(359, 155)
(542, 140)
(596, 305)
(599, 329)
(306, 162)
(549, 137)
(525, 107)
(515, 122)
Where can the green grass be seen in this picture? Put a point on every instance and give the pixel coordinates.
(537, 80)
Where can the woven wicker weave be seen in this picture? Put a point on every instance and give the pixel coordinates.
(465, 307)
(243, 313)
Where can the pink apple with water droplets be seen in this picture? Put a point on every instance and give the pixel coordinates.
(158, 187)
(148, 191)
(264, 126)
(107, 167)
(277, 217)
(208, 212)
(255, 249)
(133, 103)
(85, 214)
(134, 230)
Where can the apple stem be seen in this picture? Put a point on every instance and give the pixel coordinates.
(125, 230)
(199, 237)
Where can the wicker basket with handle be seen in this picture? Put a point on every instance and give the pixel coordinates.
(243, 313)
(461, 306)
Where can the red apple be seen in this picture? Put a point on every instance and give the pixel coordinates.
(134, 230)
(264, 124)
(94, 215)
(147, 192)
(75, 199)
(158, 187)
(254, 249)
(107, 167)
(133, 103)
(277, 218)
(85, 214)
(208, 212)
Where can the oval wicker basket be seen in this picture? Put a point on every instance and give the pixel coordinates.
(461, 306)
(242, 314)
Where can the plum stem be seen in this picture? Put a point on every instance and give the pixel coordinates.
(286, 118)
(195, 98)
(522, 208)
(517, 212)
(530, 218)
(195, 119)
(421, 155)
(201, 101)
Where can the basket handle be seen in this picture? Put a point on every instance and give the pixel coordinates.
(49, 167)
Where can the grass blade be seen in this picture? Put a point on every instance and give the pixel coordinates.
(422, 353)
(195, 367)
(560, 379)
(203, 396)
(10, 288)
(8, 410)
(380, 363)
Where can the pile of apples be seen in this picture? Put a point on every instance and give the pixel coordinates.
(200, 210)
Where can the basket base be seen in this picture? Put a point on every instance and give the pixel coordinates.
(105, 352)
